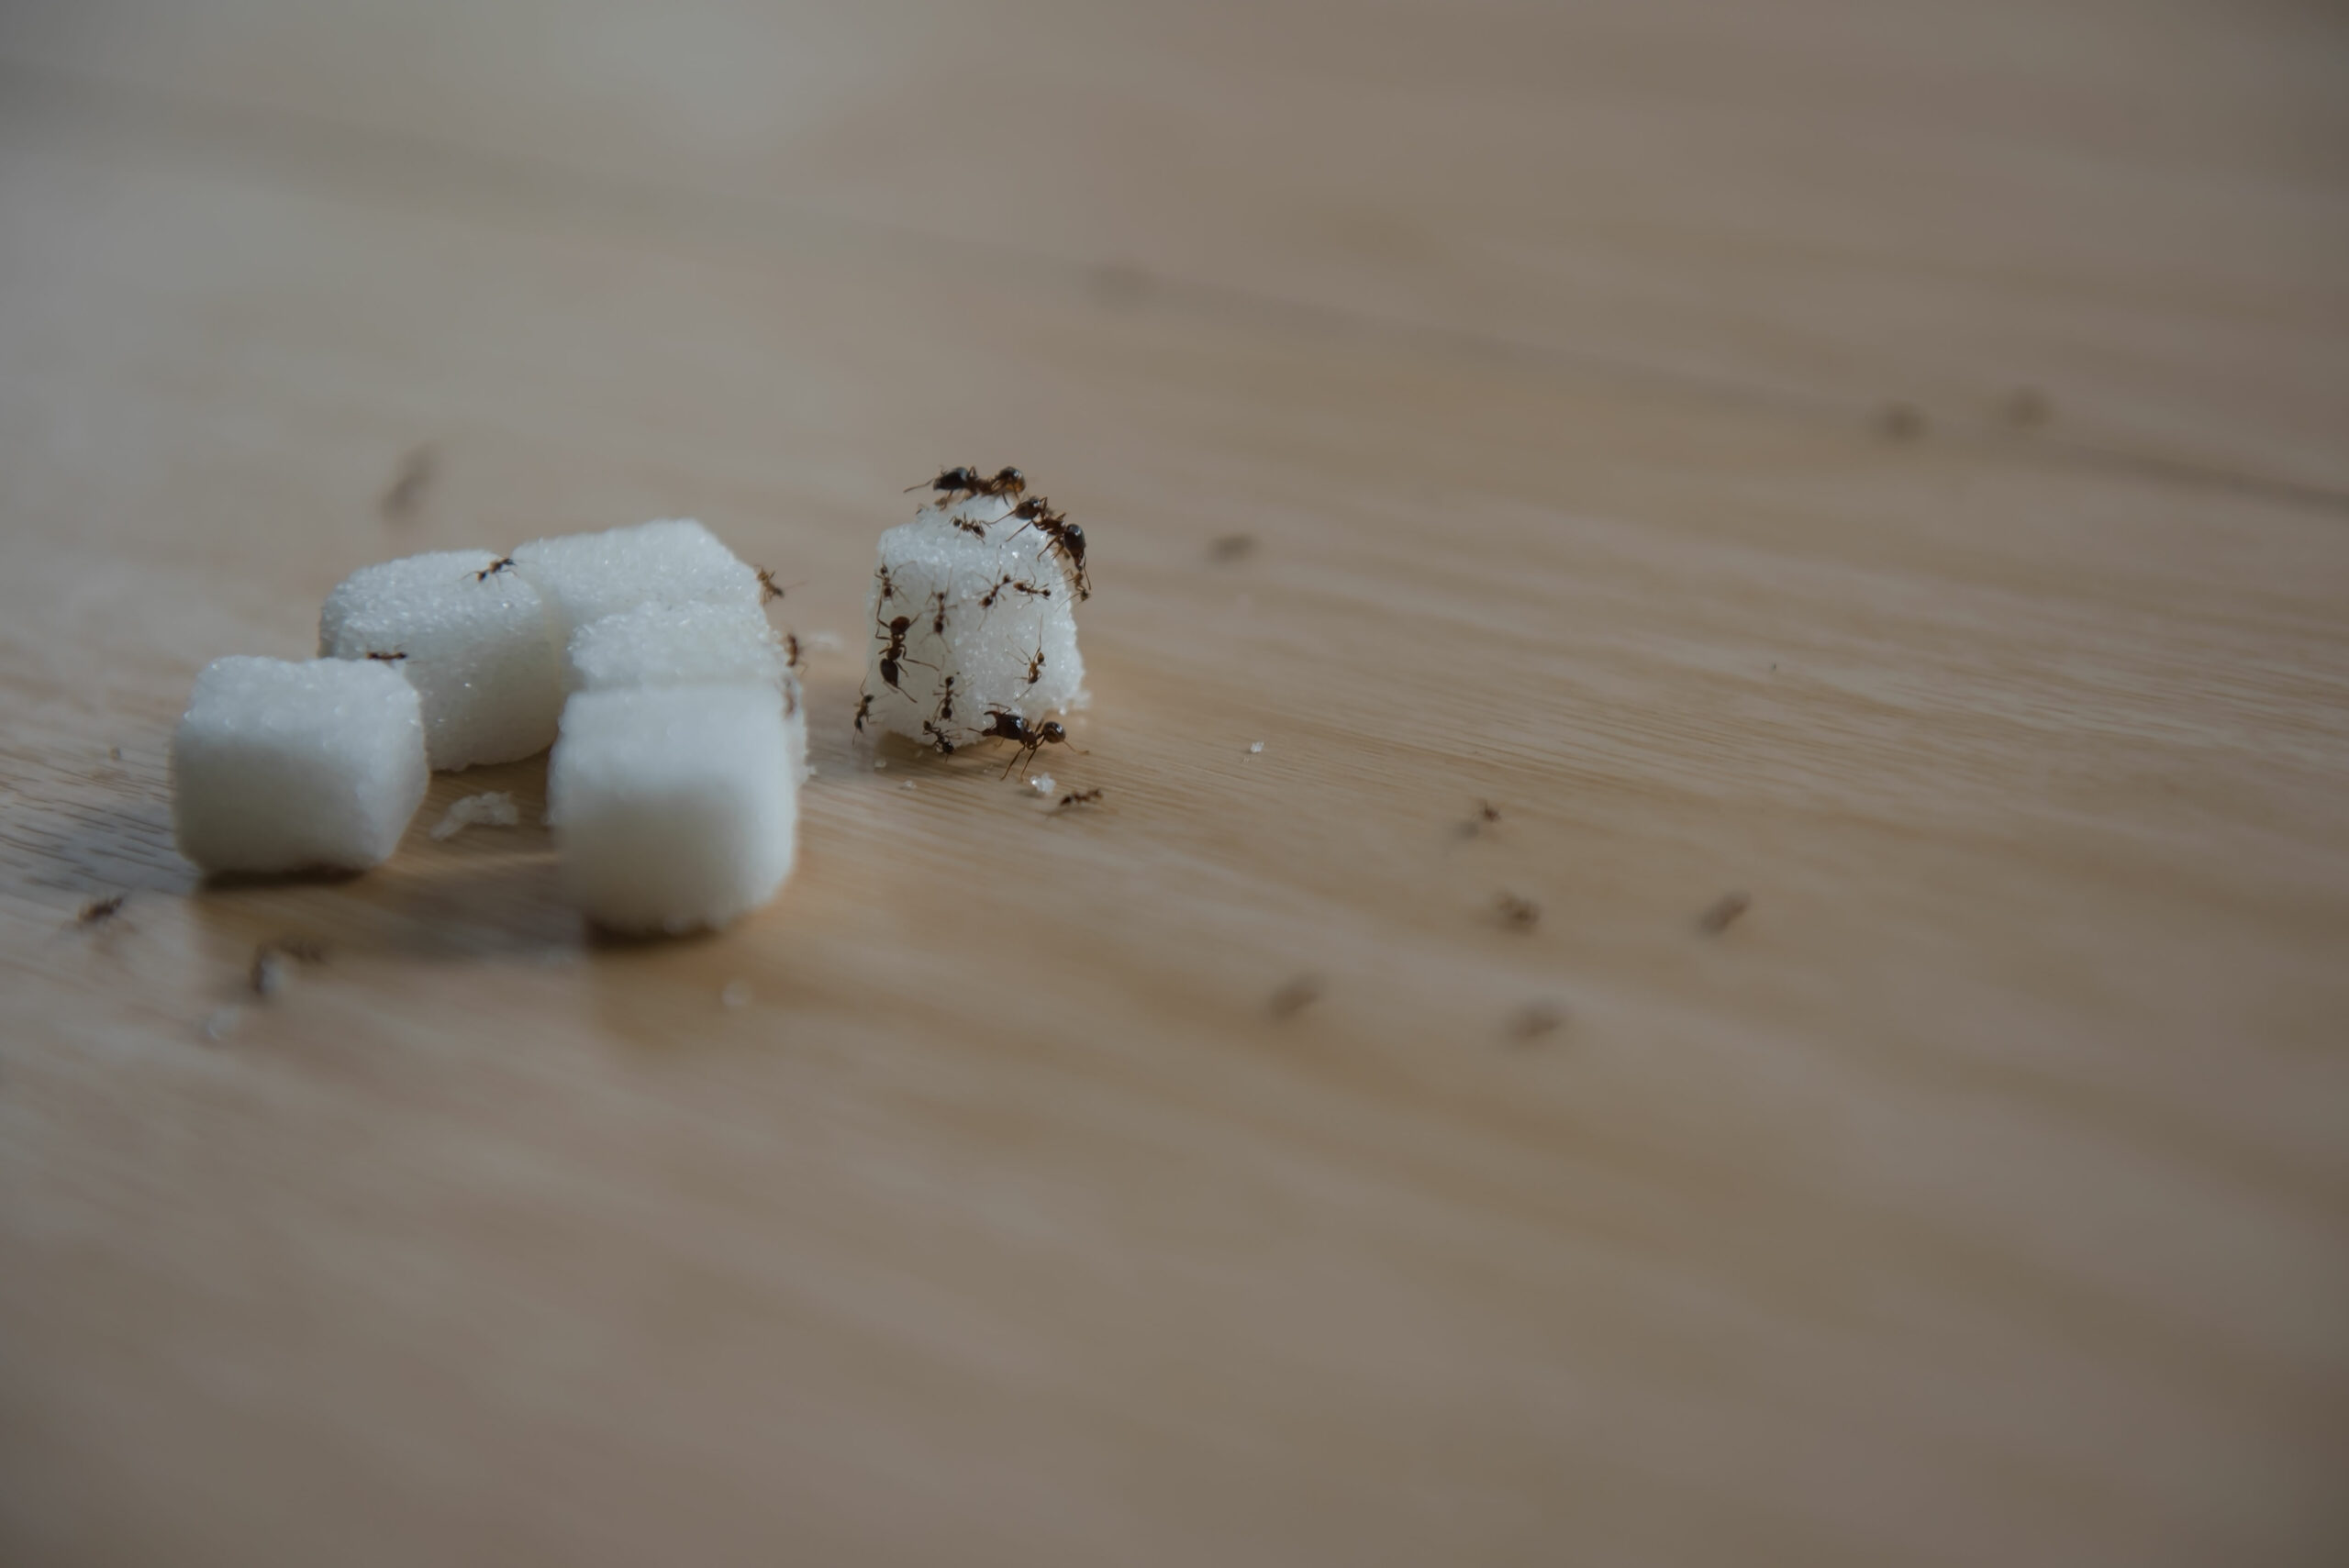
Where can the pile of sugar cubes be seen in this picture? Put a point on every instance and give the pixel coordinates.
(642, 654)
(974, 618)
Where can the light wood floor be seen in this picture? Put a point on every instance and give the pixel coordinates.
(1886, 459)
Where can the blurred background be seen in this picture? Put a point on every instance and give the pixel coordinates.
(1881, 457)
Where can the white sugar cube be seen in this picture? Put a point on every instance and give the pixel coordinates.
(474, 641)
(988, 604)
(585, 577)
(674, 807)
(723, 642)
(282, 767)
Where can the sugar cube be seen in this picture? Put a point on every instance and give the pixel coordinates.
(585, 577)
(280, 767)
(674, 807)
(723, 642)
(474, 641)
(988, 604)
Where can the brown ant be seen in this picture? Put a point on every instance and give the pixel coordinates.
(504, 563)
(791, 650)
(945, 714)
(864, 710)
(1516, 913)
(98, 911)
(987, 601)
(1723, 911)
(407, 487)
(937, 737)
(972, 526)
(888, 587)
(388, 658)
(1062, 537)
(1004, 725)
(1078, 797)
(956, 482)
(770, 590)
(937, 622)
(893, 655)
(1036, 665)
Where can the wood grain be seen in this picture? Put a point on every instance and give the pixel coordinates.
(1976, 1196)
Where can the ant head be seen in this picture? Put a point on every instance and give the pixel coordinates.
(1011, 479)
(900, 624)
(1052, 731)
(1073, 533)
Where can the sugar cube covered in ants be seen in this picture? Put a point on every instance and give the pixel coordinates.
(973, 610)
(713, 642)
(585, 577)
(470, 635)
(283, 767)
(674, 807)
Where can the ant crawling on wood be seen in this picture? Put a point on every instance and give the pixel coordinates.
(504, 563)
(955, 484)
(1004, 725)
(1062, 537)
(894, 656)
(1078, 797)
(98, 911)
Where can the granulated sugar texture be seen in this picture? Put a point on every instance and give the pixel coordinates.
(283, 767)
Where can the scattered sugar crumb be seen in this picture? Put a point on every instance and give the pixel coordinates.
(1042, 783)
(907, 785)
(271, 971)
(223, 1023)
(495, 810)
(879, 763)
(736, 994)
(1254, 747)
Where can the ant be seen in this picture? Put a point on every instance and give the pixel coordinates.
(1078, 797)
(937, 622)
(504, 563)
(1021, 584)
(97, 911)
(888, 587)
(1036, 665)
(937, 736)
(388, 658)
(864, 710)
(791, 650)
(770, 590)
(1724, 910)
(1062, 537)
(956, 483)
(1004, 725)
(945, 714)
(972, 526)
(1518, 914)
(895, 654)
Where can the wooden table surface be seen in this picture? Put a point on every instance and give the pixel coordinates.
(1884, 459)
